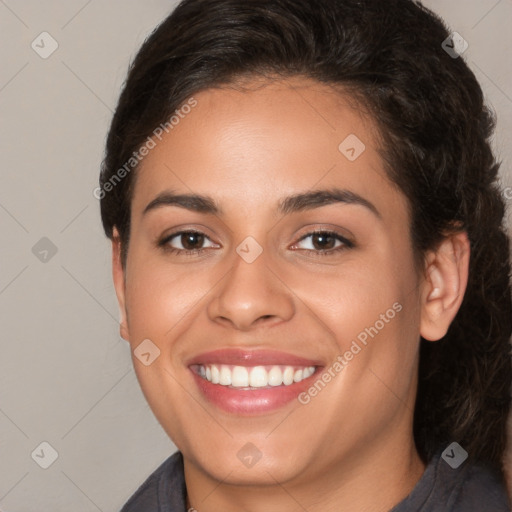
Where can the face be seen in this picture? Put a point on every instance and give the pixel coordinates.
(293, 257)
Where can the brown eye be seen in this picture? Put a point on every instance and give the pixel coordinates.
(324, 243)
(191, 241)
(186, 242)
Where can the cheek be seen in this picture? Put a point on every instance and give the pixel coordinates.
(161, 304)
(383, 315)
(159, 297)
(371, 309)
(353, 296)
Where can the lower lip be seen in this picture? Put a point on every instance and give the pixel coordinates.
(251, 402)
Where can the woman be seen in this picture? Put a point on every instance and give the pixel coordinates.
(309, 257)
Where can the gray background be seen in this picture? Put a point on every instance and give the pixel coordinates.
(65, 375)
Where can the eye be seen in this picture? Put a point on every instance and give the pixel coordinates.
(186, 242)
(192, 243)
(324, 242)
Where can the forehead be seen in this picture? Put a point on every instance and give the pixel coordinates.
(263, 140)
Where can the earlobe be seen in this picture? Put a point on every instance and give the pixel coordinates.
(446, 277)
(119, 284)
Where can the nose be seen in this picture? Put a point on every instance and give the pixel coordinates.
(250, 295)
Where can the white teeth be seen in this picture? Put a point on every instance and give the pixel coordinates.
(275, 376)
(225, 376)
(254, 377)
(259, 377)
(239, 377)
(288, 375)
(308, 372)
(215, 375)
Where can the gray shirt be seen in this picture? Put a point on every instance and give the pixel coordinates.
(469, 488)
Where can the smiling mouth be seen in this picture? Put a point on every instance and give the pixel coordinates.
(253, 377)
(252, 382)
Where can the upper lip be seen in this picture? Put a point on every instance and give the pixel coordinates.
(243, 357)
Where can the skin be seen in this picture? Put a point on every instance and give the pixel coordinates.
(248, 149)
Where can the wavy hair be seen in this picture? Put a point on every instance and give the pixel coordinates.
(435, 130)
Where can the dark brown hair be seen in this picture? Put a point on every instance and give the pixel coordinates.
(435, 130)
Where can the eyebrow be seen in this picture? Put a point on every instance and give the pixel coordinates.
(295, 203)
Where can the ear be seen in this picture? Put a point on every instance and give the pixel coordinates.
(119, 284)
(444, 286)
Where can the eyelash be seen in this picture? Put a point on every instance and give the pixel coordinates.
(346, 244)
